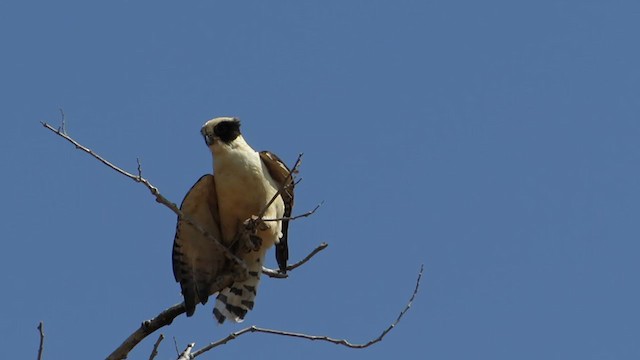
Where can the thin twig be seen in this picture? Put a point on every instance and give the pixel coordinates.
(154, 191)
(308, 257)
(175, 343)
(343, 342)
(278, 275)
(146, 328)
(275, 274)
(139, 168)
(308, 213)
(41, 348)
(62, 128)
(287, 183)
(154, 352)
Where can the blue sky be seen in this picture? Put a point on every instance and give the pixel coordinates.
(495, 142)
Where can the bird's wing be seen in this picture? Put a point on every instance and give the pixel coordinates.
(280, 173)
(197, 261)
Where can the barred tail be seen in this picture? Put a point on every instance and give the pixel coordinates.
(234, 302)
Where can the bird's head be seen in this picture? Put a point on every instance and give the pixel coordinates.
(221, 131)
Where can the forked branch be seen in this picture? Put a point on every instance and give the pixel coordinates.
(41, 347)
(166, 317)
(343, 342)
(277, 274)
(306, 214)
(154, 191)
(154, 352)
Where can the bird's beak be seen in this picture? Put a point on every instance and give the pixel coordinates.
(208, 138)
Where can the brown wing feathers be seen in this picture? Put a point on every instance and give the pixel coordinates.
(280, 173)
(196, 261)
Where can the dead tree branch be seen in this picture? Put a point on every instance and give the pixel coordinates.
(308, 257)
(154, 352)
(62, 128)
(344, 342)
(278, 275)
(147, 328)
(41, 348)
(167, 316)
(308, 213)
(154, 191)
(175, 343)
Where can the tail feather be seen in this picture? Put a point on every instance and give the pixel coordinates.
(234, 302)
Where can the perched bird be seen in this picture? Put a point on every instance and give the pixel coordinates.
(242, 184)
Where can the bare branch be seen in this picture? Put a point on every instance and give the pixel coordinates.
(167, 316)
(146, 328)
(100, 158)
(274, 273)
(308, 213)
(154, 191)
(62, 122)
(175, 343)
(308, 257)
(154, 352)
(344, 342)
(186, 354)
(139, 168)
(41, 348)
(278, 275)
(404, 311)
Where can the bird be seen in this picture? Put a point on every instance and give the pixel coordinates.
(242, 184)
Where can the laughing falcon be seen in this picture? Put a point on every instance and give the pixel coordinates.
(244, 181)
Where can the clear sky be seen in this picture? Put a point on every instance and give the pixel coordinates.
(495, 142)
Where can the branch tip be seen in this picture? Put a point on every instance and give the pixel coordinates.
(41, 347)
(62, 127)
(343, 342)
(154, 352)
(278, 275)
(139, 169)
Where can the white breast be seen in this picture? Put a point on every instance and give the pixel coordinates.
(244, 186)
